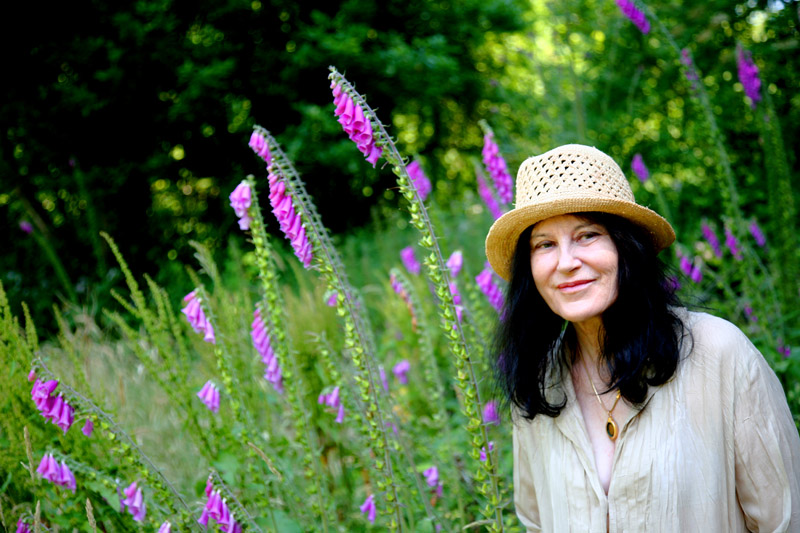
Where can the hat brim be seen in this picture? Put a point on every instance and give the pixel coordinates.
(501, 242)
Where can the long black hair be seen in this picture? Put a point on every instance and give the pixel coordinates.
(641, 335)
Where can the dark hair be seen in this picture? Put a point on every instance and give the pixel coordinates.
(642, 335)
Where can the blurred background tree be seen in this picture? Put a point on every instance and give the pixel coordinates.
(133, 117)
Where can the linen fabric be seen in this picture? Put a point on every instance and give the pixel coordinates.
(713, 450)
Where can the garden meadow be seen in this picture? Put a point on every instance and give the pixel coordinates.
(289, 399)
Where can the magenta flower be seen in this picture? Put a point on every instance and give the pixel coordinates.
(384, 381)
(55, 409)
(333, 400)
(639, 168)
(757, 234)
(217, 509)
(289, 220)
(22, 527)
(497, 168)
(633, 13)
(60, 475)
(691, 73)
(486, 284)
(197, 318)
(260, 146)
(368, 508)
(263, 345)
(490, 415)
(483, 450)
(420, 180)
(455, 262)
(210, 396)
(26, 227)
(748, 75)
(32, 375)
(732, 244)
(331, 301)
(410, 260)
(241, 202)
(432, 479)
(486, 194)
(166, 527)
(134, 501)
(691, 270)
(88, 427)
(748, 312)
(355, 124)
(456, 301)
(711, 237)
(785, 351)
(400, 371)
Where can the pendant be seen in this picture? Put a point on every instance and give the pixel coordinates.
(611, 428)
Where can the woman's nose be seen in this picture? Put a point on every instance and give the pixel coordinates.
(567, 260)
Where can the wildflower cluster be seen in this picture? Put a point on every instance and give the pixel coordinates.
(400, 289)
(368, 508)
(691, 73)
(483, 450)
(260, 146)
(197, 318)
(216, 508)
(210, 396)
(240, 202)
(417, 175)
(635, 15)
(432, 479)
(733, 244)
(757, 234)
(690, 268)
(496, 167)
(134, 501)
(486, 194)
(712, 239)
(61, 475)
(400, 371)
(409, 259)
(263, 345)
(748, 75)
(487, 285)
(639, 168)
(55, 409)
(289, 219)
(22, 527)
(334, 401)
(355, 123)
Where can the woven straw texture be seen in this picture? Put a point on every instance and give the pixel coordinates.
(568, 179)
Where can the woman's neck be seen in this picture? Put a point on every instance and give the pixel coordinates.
(588, 334)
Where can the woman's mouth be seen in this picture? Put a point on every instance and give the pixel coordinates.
(574, 286)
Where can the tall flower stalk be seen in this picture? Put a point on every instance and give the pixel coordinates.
(438, 273)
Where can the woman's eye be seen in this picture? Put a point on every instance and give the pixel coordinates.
(542, 245)
(587, 236)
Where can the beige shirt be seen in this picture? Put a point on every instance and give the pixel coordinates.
(713, 450)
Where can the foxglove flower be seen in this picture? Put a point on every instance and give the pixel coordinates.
(55, 409)
(331, 301)
(420, 180)
(260, 146)
(455, 262)
(432, 479)
(400, 290)
(486, 194)
(785, 351)
(240, 202)
(691, 73)
(490, 415)
(210, 396)
(711, 237)
(368, 508)
(639, 168)
(400, 371)
(732, 244)
(166, 527)
(748, 75)
(22, 527)
(197, 318)
(49, 469)
(483, 450)
(633, 13)
(289, 220)
(748, 312)
(217, 509)
(333, 400)
(26, 227)
(410, 260)
(355, 124)
(456, 301)
(88, 427)
(691, 270)
(497, 168)
(134, 501)
(66, 478)
(263, 345)
(486, 284)
(32, 375)
(757, 234)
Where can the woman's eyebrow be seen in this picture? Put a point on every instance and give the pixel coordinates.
(576, 228)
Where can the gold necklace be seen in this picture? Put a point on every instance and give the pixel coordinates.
(611, 426)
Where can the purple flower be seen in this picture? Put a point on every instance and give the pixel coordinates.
(22, 527)
(691, 270)
(691, 73)
(55, 409)
(748, 311)
(241, 202)
(88, 427)
(420, 180)
(166, 527)
(630, 10)
(639, 168)
(134, 500)
(355, 124)
(210, 396)
(384, 381)
(488, 198)
(32, 374)
(60, 475)
(289, 220)
(785, 351)
(732, 244)
(26, 226)
(485, 281)
(483, 450)
(757, 234)
(432, 479)
(711, 237)
(260, 146)
(331, 301)
(410, 260)
(334, 401)
(497, 168)
(673, 284)
(400, 371)
(455, 262)
(216, 508)
(197, 318)
(368, 508)
(748, 75)
(490, 415)
(263, 345)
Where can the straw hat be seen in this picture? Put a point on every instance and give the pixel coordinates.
(569, 179)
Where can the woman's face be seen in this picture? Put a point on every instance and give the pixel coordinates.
(574, 265)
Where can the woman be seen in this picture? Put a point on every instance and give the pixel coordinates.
(630, 413)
